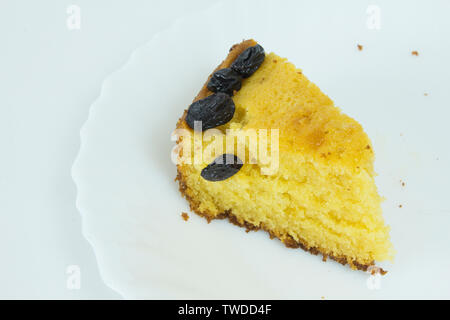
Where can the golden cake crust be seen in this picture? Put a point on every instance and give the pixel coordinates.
(290, 242)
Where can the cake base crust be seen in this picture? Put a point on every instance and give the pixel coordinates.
(287, 240)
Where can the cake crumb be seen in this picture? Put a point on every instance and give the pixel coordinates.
(185, 216)
(415, 53)
(360, 47)
(324, 258)
(400, 206)
(373, 270)
(425, 94)
(403, 183)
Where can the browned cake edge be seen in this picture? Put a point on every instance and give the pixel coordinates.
(235, 51)
(288, 241)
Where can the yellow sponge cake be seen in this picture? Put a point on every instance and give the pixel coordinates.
(288, 161)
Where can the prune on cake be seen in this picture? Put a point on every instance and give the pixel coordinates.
(213, 111)
(222, 168)
(225, 80)
(249, 61)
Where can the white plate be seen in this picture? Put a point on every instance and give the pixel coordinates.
(130, 203)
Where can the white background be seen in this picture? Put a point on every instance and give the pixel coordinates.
(49, 76)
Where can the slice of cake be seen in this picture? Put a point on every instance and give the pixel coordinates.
(262, 146)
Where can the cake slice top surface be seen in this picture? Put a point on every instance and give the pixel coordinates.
(279, 96)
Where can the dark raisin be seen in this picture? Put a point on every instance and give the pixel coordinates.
(249, 61)
(225, 80)
(223, 167)
(212, 111)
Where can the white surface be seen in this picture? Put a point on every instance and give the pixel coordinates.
(130, 204)
(49, 77)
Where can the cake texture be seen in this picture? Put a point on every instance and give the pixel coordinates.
(321, 197)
